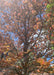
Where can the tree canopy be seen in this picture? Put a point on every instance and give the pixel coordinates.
(31, 23)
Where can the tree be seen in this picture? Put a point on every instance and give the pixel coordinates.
(27, 23)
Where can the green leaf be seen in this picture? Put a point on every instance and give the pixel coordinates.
(52, 47)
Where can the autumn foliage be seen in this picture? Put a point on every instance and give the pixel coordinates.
(30, 22)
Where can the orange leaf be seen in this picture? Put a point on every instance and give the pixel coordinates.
(52, 26)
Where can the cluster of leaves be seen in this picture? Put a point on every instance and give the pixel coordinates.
(50, 22)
